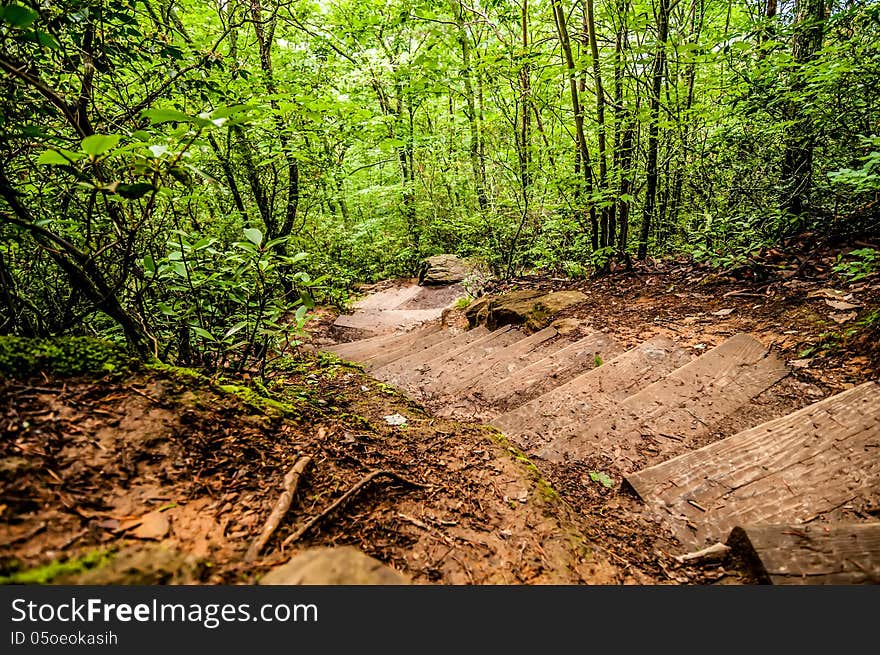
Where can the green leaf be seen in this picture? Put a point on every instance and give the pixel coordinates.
(135, 191)
(149, 264)
(601, 478)
(47, 40)
(98, 144)
(203, 333)
(158, 116)
(58, 157)
(253, 235)
(238, 327)
(300, 314)
(17, 15)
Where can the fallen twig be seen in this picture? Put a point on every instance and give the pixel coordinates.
(713, 553)
(291, 481)
(344, 498)
(26, 536)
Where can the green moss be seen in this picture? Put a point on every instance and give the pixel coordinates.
(62, 356)
(49, 572)
(597, 361)
(548, 493)
(177, 372)
(251, 398)
(247, 396)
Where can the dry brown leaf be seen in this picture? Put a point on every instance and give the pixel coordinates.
(841, 305)
(840, 319)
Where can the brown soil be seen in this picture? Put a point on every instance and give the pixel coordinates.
(83, 461)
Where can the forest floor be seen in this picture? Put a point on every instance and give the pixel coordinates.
(161, 475)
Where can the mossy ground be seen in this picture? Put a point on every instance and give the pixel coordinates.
(61, 356)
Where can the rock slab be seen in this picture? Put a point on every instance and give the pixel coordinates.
(344, 565)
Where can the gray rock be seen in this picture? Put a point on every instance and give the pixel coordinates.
(344, 565)
(446, 269)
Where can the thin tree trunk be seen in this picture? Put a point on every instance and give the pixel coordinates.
(608, 228)
(470, 104)
(582, 151)
(797, 164)
(651, 172)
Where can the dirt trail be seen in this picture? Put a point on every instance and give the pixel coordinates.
(679, 367)
(163, 476)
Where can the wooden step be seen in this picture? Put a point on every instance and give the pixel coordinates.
(535, 423)
(675, 413)
(803, 466)
(362, 349)
(389, 298)
(550, 372)
(394, 372)
(516, 350)
(810, 554)
(470, 404)
(447, 370)
(405, 347)
(374, 321)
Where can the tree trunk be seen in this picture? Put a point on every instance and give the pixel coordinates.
(651, 172)
(479, 169)
(797, 163)
(608, 228)
(582, 160)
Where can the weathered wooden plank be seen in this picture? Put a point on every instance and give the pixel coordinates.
(449, 368)
(810, 554)
(550, 372)
(402, 365)
(366, 349)
(389, 298)
(404, 347)
(515, 350)
(379, 321)
(673, 414)
(537, 422)
(796, 468)
(470, 403)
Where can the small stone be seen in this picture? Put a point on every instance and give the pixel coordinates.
(345, 565)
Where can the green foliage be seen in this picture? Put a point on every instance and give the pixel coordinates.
(64, 356)
(602, 478)
(190, 180)
(463, 302)
(866, 178)
(858, 264)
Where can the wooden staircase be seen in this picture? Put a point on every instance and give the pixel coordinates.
(652, 409)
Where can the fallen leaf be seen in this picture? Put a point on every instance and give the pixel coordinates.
(800, 363)
(723, 312)
(840, 305)
(153, 525)
(842, 318)
(395, 419)
(834, 294)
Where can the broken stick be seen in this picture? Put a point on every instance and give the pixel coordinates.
(344, 498)
(713, 553)
(291, 481)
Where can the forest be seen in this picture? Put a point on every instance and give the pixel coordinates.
(190, 178)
